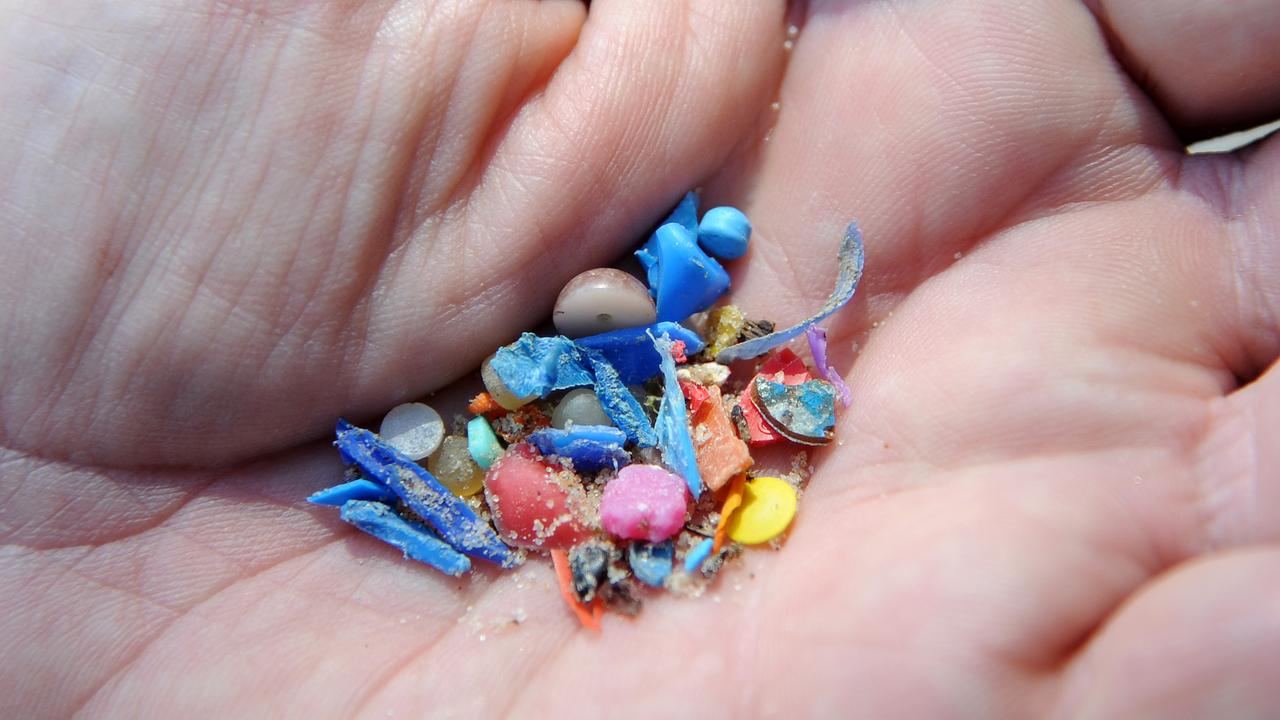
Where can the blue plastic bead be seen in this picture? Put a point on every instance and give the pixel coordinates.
(449, 514)
(630, 350)
(414, 540)
(537, 366)
(724, 232)
(618, 403)
(359, 489)
(651, 562)
(698, 555)
(590, 447)
(682, 277)
(672, 425)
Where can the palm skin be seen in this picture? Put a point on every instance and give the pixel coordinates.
(227, 223)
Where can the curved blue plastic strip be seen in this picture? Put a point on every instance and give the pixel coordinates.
(358, 489)
(672, 425)
(414, 540)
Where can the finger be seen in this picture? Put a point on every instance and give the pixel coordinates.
(1210, 66)
(1199, 641)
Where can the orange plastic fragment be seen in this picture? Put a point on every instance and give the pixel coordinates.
(484, 404)
(721, 454)
(731, 503)
(589, 616)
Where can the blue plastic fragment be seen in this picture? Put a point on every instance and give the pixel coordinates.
(631, 353)
(724, 232)
(672, 425)
(651, 562)
(412, 538)
(698, 555)
(804, 413)
(358, 489)
(590, 447)
(685, 215)
(449, 514)
(618, 403)
(851, 259)
(537, 366)
(682, 277)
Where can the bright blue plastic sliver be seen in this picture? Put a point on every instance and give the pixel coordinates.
(451, 517)
(651, 562)
(672, 425)
(631, 353)
(698, 555)
(682, 277)
(590, 447)
(414, 540)
(618, 403)
(724, 232)
(359, 489)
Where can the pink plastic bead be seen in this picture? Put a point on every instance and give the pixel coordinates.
(644, 502)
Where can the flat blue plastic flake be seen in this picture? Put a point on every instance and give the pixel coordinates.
(682, 277)
(651, 562)
(631, 353)
(359, 489)
(698, 555)
(672, 425)
(537, 366)
(414, 540)
(851, 259)
(618, 403)
(457, 524)
(590, 447)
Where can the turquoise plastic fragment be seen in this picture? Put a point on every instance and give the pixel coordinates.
(724, 232)
(672, 426)
(411, 538)
(804, 413)
(682, 277)
(651, 562)
(358, 489)
(482, 443)
(851, 260)
(698, 555)
(449, 514)
(538, 366)
(618, 403)
(630, 350)
(590, 447)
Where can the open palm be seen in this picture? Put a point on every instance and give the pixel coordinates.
(227, 222)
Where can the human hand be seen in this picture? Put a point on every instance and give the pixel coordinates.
(254, 216)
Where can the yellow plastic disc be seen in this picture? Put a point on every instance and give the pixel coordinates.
(768, 506)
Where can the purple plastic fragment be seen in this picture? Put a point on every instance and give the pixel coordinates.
(851, 259)
(631, 352)
(413, 539)
(672, 425)
(538, 366)
(358, 489)
(422, 492)
(682, 277)
(590, 447)
(618, 403)
(818, 348)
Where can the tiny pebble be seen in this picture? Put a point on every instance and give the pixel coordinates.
(580, 407)
(768, 506)
(414, 429)
(482, 443)
(601, 300)
(644, 502)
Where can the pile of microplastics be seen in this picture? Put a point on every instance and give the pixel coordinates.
(621, 446)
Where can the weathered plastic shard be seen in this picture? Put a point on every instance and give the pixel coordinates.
(672, 425)
(449, 514)
(698, 555)
(618, 403)
(685, 215)
(358, 489)
(651, 562)
(590, 447)
(682, 277)
(631, 353)
(411, 538)
(804, 413)
(537, 366)
(851, 259)
(818, 348)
